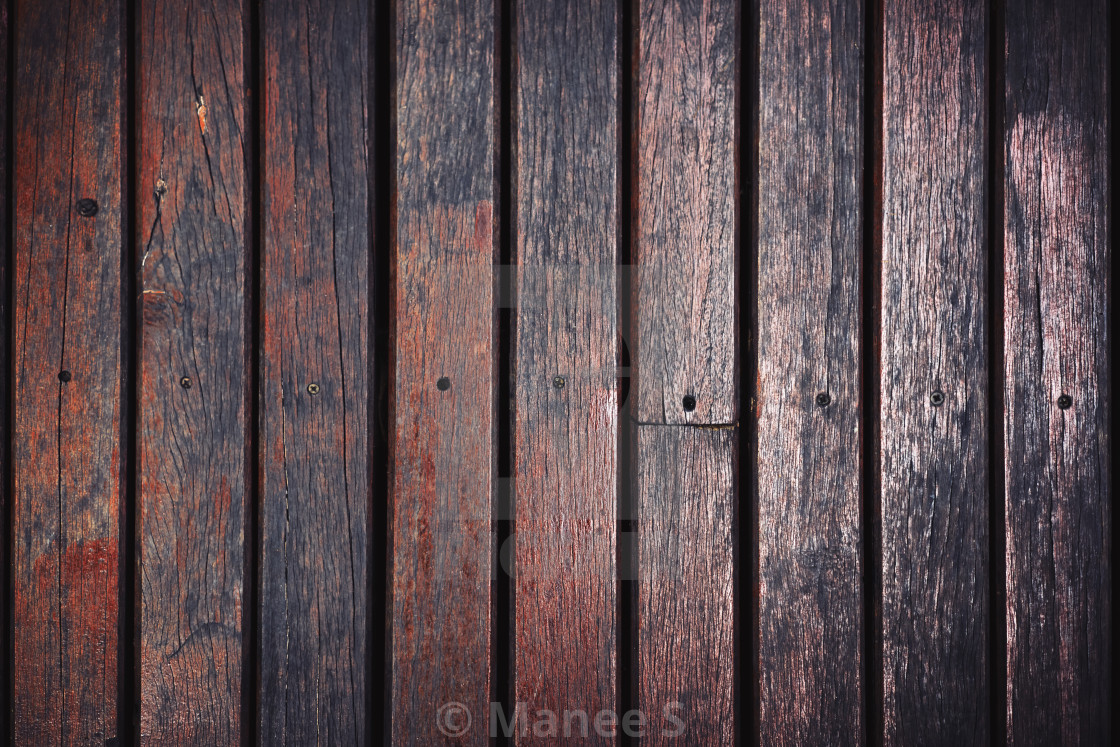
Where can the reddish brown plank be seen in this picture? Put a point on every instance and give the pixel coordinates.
(1057, 474)
(444, 372)
(566, 402)
(810, 158)
(67, 371)
(933, 468)
(686, 218)
(685, 480)
(314, 377)
(191, 236)
(5, 383)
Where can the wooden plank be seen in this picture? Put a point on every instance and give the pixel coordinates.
(1057, 475)
(566, 398)
(67, 371)
(934, 389)
(5, 391)
(314, 374)
(191, 235)
(445, 371)
(685, 480)
(810, 167)
(687, 222)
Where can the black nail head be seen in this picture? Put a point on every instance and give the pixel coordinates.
(443, 384)
(937, 398)
(87, 208)
(689, 403)
(64, 376)
(186, 382)
(558, 382)
(824, 399)
(1065, 401)
(312, 388)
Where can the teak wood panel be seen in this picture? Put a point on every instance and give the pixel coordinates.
(565, 426)
(66, 367)
(315, 479)
(1056, 464)
(192, 241)
(933, 374)
(808, 396)
(444, 373)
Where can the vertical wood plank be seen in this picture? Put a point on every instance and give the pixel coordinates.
(444, 372)
(6, 259)
(314, 409)
(810, 155)
(686, 226)
(1056, 339)
(191, 235)
(934, 457)
(566, 400)
(67, 371)
(685, 233)
(686, 516)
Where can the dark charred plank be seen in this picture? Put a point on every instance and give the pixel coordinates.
(686, 217)
(315, 477)
(566, 400)
(933, 374)
(685, 482)
(191, 236)
(444, 373)
(1057, 474)
(66, 364)
(810, 153)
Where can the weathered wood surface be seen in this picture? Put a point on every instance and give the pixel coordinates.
(934, 457)
(685, 480)
(444, 374)
(810, 167)
(314, 370)
(5, 383)
(566, 400)
(66, 362)
(191, 238)
(1057, 474)
(686, 212)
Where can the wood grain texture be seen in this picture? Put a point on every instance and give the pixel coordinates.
(810, 153)
(566, 399)
(686, 502)
(67, 439)
(5, 384)
(1057, 474)
(934, 459)
(191, 235)
(315, 459)
(686, 211)
(443, 317)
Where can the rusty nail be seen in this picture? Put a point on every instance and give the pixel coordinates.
(186, 382)
(64, 376)
(312, 388)
(689, 403)
(558, 382)
(1065, 402)
(87, 208)
(443, 384)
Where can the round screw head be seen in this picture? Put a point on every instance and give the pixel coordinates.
(87, 208)
(824, 399)
(312, 388)
(443, 384)
(689, 403)
(186, 382)
(558, 382)
(937, 398)
(1065, 401)
(64, 376)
